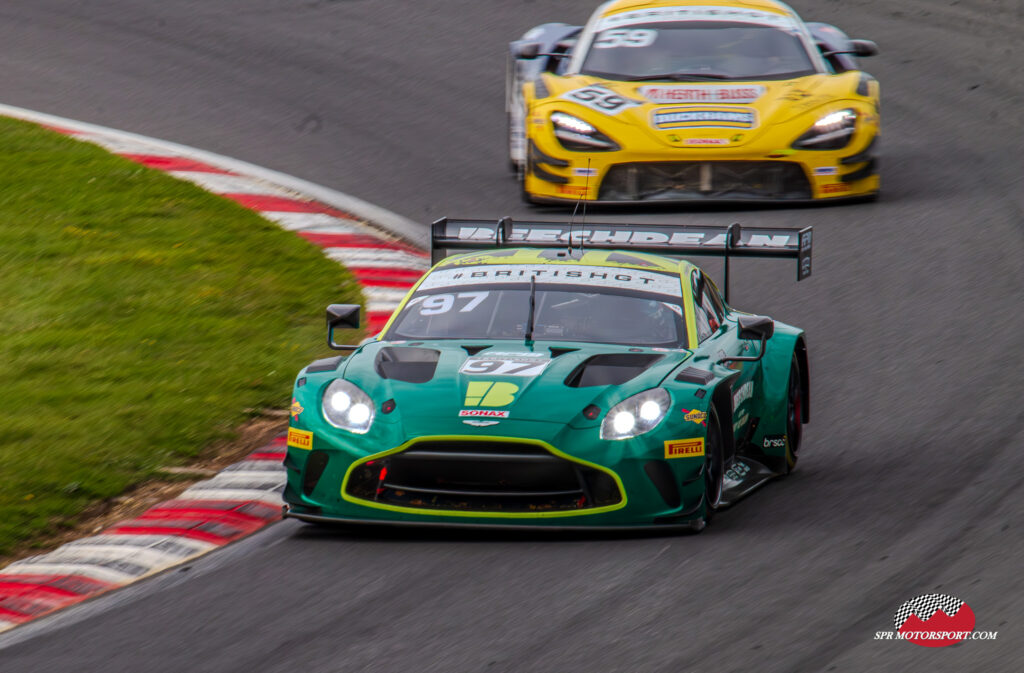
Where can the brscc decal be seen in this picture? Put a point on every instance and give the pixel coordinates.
(300, 439)
(684, 448)
(774, 441)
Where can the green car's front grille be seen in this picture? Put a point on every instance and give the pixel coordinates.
(482, 476)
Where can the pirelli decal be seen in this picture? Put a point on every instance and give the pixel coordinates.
(300, 439)
(684, 448)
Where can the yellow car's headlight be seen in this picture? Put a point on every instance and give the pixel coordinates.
(580, 136)
(831, 132)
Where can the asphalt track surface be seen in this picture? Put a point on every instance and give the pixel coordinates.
(912, 468)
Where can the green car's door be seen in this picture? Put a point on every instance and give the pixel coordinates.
(718, 335)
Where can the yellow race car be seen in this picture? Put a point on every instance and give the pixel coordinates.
(686, 101)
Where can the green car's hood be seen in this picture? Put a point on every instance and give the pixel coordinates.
(442, 404)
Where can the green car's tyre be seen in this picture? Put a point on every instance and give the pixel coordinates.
(794, 416)
(714, 468)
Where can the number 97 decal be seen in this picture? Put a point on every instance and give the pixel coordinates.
(436, 304)
(500, 366)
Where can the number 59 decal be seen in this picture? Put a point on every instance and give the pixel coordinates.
(600, 99)
(621, 37)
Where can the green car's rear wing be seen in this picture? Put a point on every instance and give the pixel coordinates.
(663, 239)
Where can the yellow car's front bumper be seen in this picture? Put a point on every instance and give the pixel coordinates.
(756, 171)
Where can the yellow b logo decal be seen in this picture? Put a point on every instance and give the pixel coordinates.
(490, 394)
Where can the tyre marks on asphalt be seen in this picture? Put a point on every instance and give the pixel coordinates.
(245, 496)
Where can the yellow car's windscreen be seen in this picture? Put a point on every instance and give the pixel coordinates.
(697, 50)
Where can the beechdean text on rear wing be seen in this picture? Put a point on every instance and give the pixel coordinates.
(668, 239)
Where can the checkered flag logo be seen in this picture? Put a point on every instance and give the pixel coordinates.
(925, 606)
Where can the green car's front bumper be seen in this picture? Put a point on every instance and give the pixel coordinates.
(533, 474)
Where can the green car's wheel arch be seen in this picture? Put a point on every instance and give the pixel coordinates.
(794, 415)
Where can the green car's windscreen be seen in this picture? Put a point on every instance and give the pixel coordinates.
(570, 303)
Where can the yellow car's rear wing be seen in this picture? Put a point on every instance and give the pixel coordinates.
(448, 234)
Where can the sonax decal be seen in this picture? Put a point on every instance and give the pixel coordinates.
(684, 448)
(483, 413)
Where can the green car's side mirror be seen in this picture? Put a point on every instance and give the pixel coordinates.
(341, 316)
(753, 327)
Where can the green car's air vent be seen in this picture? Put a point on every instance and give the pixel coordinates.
(325, 365)
(315, 465)
(482, 476)
(412, 365)
(694, 375)
(610, 369)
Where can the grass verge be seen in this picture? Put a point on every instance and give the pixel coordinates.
(142, 317)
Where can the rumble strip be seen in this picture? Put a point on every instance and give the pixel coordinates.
(374, 245)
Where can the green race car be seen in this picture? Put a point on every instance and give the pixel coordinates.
(556, 379)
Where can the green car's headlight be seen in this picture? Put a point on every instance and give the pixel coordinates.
(579, 136)
(831, 132)
(347, 407)
(636, 415)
